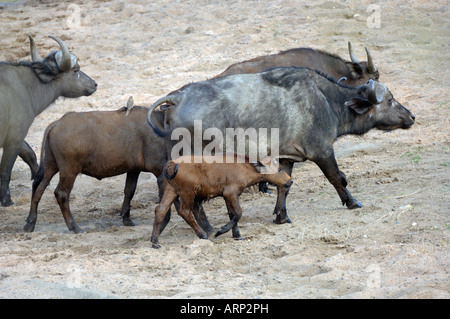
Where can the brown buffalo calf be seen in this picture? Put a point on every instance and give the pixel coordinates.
(99, 144)
(212, 177)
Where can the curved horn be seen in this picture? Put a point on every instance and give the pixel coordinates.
(352, 55)
(370, 66)
(376, 92)
(35, 57)
(342, 79)
(65, 64)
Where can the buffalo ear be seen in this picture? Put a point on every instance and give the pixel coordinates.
(258, 166)
(359, 106)
(44, 72)
(375, 94)
(355, 69)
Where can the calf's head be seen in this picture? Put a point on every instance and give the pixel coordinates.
(381, 108)
(272, 173)
(62, 67)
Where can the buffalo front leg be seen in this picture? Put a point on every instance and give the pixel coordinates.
(337, 178)
(130, 189)
(10, 154)
(39, 186)
(280, 207)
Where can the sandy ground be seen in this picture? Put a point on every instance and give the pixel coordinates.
(396, 246)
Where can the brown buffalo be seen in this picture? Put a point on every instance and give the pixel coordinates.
(353, 72)
(98, 144)
(198, 180)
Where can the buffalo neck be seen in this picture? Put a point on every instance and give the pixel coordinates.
(353, 123)
(336, 67)
(41, 94)
(254, 176)
(349, 122)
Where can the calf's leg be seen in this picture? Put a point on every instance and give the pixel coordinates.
(170, 195)
(161, 186)
(198, 211)
(235, 213)
(186, 204)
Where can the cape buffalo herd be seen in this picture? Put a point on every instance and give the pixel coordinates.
(306, 98)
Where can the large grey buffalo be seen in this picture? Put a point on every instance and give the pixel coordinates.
(310, 109)
(26, 89)
(352, 72)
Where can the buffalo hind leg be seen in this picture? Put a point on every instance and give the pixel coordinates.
(199, 215)
(161, 212)
(161, 185)
(39, 185)
(186, 205)
(280, 207)
(62, 194)
(337, 178)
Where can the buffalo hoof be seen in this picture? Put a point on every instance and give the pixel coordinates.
(282, 220)
(29, 227)
(128, 222)
(7, 202)
(76, 229)
(203, 235)
(156, 245)
(264, 188)
(209, 230)
(239, 238)
(355, 204)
